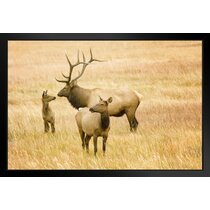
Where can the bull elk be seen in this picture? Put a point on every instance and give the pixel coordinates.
(94, 122)
(124, 101)
(47, 114)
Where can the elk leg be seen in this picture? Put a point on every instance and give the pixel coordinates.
(104, 144)
(95, 144)
(135, 123)
(131, 119)
(46, 126)
(53, 127)
(87, 139)
(82, 135)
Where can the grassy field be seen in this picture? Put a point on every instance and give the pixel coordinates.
(167, 74)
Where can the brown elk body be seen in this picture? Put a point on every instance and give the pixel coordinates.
(47, 114)
(125, 101)
(94, 122)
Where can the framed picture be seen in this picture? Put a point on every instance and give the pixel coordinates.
(104, 105)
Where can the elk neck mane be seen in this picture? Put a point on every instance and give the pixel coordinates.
(79, 97)
(105, 120)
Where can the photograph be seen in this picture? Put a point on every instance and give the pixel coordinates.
(105, 105)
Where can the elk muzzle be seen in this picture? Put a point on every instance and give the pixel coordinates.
(60, 94)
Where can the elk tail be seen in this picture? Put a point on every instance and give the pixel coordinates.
(140, 96)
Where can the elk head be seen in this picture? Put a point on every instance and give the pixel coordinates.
(47, 98)
(70, 83)
(102, 106)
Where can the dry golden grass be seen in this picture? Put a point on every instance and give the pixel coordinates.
(168, 74)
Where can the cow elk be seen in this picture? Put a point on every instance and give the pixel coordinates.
(94, 122)
(47, 114)
(125, 101)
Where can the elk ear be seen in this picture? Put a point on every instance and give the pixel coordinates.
(109, 100)
(43, 94)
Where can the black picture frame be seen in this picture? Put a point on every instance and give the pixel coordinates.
(4, 38)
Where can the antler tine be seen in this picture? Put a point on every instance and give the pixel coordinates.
(70, 68)
(98, 60)
(83, 56)
(68, 58)
(65, 76)
(93, 59)
(61, 80)
(83, 68)
(91, 55)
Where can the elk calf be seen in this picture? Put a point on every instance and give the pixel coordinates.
(94, 122)
(47, 114)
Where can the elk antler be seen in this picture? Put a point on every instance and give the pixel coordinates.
(76, 64)
(71, 67)
(86, 64)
